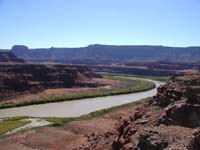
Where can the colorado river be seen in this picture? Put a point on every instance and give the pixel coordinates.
(77, 107)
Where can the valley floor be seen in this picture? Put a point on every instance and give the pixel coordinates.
(97, 133)
(109, 85)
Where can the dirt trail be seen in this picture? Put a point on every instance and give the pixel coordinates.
(34, 122)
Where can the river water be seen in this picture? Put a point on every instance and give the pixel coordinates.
(77, 107)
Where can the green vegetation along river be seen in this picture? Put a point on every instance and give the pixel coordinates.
(79, 107)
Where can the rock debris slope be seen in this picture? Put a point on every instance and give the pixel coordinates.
(169, 121)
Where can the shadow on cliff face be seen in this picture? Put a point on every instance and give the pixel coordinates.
(18, 78)
(171, 119)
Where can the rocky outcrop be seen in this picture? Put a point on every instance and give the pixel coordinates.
(19, 78)
(181, 100)
(168, 121)
(168, 93)
(151, 140)
(6, 57)
(195, 142)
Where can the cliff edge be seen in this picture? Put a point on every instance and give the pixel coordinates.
(169, 121)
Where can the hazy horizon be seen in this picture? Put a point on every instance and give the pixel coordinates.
(95, 44)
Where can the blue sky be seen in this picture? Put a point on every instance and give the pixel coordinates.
(76, 23)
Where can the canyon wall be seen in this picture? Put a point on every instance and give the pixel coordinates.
(7, 57)
(108, 54)
(19, 78)
(170, 120)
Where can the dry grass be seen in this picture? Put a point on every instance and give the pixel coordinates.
(7, 125)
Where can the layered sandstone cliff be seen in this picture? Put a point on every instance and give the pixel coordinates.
(32, 78)
(169, 121)
(9, 57)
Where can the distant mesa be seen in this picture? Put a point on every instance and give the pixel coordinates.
(19, 48)
(108, 54)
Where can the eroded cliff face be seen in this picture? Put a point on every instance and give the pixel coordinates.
(181, 100)
(10, 57)
(170, 120)
(20, 78)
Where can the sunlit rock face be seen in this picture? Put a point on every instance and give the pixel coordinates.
(181, 100)
(174, 112)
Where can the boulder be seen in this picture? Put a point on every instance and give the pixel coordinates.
(183, 114)
(151, 140)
